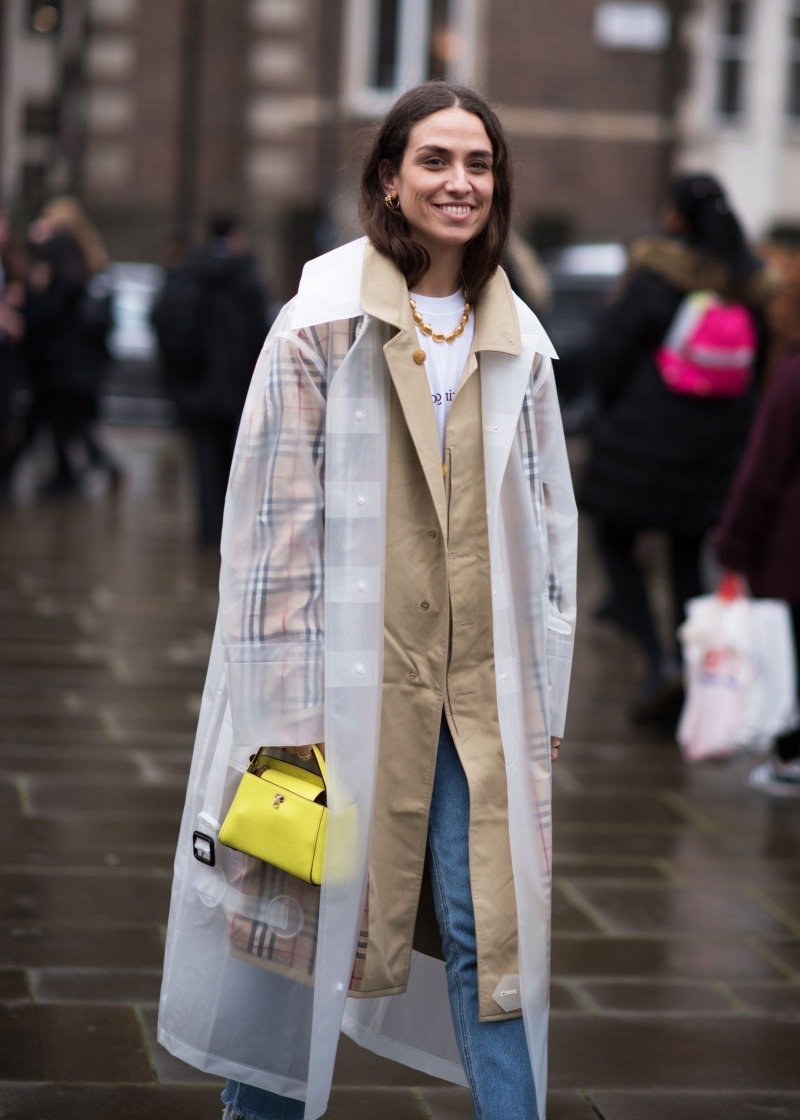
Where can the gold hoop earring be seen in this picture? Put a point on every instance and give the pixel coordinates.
(391, 203)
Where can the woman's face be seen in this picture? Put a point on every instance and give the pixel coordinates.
(446, 180)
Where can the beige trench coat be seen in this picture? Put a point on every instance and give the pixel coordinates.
(438, 654)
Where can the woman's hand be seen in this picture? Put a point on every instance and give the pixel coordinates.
(306, 753)
(554, 745)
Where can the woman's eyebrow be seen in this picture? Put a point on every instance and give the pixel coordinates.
(436, 149)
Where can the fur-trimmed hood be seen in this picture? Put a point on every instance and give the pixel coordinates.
(689, 270)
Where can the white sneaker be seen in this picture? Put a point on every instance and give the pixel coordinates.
(776, 778)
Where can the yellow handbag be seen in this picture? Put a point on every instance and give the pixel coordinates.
(279, 816)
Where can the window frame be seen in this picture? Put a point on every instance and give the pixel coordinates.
(360, 94)
(733, 48)
(793, 64)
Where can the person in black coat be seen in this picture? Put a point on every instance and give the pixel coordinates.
(68, 318)
(12, 332)
(211, 322)
(661, 459)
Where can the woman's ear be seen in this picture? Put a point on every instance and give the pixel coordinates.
(387, 177)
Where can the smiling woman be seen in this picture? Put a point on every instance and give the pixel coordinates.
(404, 403)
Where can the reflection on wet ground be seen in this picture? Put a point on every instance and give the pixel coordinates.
(676, 952)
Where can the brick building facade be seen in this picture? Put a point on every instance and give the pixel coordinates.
(262, 106)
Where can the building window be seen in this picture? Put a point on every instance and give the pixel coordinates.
(44, 17)
(34, 184)
(41, 118)
(441, 36)
(387, 44)
(793, 105)
(394, 44)
(733, 32)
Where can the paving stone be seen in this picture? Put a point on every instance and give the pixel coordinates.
(13, 985)
(74, 830)
(576, 870)
(370, 1103)
(71, 1043)
(93, 985)
(699, 959)
(30, 945)
(668, 1053)
(449, 1103)
(357, 1066)
(153, 857)
(604, 807)
(108, 1102)
(656, 909)
(563, 998)
(118, 799)
(714, 1105)
(128, 896)
(616, 995)
(769, 999)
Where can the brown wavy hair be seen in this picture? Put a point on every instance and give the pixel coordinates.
(388, 229)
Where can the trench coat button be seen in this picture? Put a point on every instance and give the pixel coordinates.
(432, 534)
(412, 676)
(424, 604)
(419, 357)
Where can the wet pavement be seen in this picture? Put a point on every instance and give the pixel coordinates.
(676, 951)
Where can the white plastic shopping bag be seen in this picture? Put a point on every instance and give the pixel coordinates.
(739, 666)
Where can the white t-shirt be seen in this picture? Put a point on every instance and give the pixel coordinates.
(445, 361)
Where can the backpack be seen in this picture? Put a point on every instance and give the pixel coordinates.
(709, 349)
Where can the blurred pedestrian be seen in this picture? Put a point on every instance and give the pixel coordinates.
(526, 273)
(675, 363)
(211, 322)
(68, 313)
(759, 534)
(12, 331)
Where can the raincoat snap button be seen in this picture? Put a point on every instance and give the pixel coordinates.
(361, 500)
(432, 534)
(361, 585)
(419, 357)
(359, 415)
(360, 670)
(424, 604)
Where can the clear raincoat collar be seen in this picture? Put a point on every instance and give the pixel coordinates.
(356, 279)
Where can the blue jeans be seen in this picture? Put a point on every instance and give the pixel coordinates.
(494, 1055)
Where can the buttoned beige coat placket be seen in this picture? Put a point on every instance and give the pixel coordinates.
(438, 655)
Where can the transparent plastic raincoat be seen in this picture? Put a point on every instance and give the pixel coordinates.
(258, 965)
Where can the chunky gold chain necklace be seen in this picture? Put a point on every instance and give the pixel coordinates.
(437, 336)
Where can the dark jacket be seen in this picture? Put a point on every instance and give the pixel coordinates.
(211, 324)
(65, 352)
(760, 529)
(662, 460)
